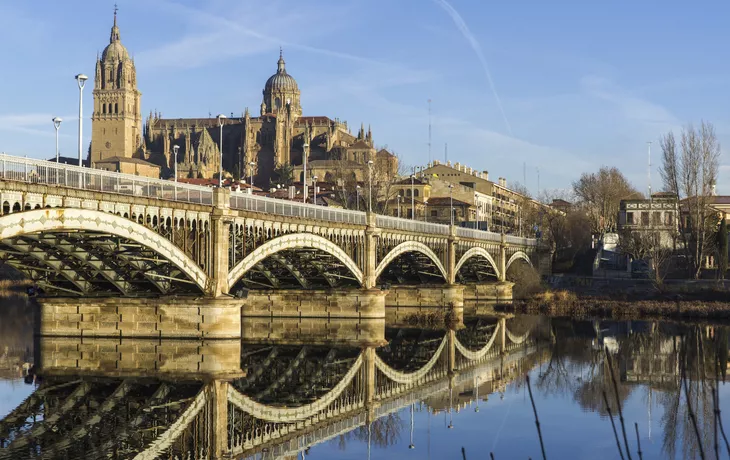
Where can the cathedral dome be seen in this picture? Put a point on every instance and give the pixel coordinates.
(115, 51)
(281, 81)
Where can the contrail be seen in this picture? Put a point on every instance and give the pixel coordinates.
(464, 29)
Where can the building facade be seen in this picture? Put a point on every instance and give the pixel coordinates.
(658, 215)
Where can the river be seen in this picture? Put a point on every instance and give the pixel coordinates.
(398, 391)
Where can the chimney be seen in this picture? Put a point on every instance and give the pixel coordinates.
(292, 192)
(503, 182)
(714, 189)
(485, 175)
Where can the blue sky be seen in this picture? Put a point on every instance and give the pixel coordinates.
(574, 84)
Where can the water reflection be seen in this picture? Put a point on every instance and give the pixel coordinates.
(293, 388)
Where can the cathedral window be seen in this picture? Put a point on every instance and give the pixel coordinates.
(415, 193)
(278, 102)
(104, 108)
(116, 108)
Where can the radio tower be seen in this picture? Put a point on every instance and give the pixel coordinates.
(649, 172)
(429, 130)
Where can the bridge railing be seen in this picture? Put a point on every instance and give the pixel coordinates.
(411, 225)
(477, 234)
(245, 202)
(98, 180)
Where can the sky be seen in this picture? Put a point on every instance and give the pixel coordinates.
(560, 87)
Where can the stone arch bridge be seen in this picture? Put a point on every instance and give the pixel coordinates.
(84, 232)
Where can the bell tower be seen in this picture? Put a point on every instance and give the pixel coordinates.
(116, 123)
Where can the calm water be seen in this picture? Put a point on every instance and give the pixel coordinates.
(417, 393)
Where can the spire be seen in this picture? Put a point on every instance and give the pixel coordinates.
(115, 30)
(280, 65)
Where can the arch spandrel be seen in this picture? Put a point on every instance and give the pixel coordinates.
(65, 219)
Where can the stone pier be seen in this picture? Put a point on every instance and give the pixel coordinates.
(495, 292)
(300, 303)
(161, 318)
(425, 296)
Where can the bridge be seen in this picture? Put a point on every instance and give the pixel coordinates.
(84, 233)
(285, 397)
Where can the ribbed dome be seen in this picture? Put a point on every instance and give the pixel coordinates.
(281, 81)
(115, 51)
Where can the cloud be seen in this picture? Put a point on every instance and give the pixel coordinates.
(469, 36)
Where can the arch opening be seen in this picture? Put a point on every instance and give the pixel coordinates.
(411, 263)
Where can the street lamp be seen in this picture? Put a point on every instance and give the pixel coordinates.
(175, 149)
(221, 120)
(81, 80)
(370, 181)
(411, 445)
(476, 204)
(413, 196)
(399, 197)
(315, 190)
(57, 124)
(251, 165)
(425, 210)
(305, 154)
(357, 196)
(451, 196)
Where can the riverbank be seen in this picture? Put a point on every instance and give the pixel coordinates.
(714, 306)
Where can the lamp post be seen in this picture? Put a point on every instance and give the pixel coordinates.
(251, 165)
(476, 204)
(425, 210)
(370, 184)
(451, 197)
(81, 80)
(57, 124)
(411, 445)
(175, 149)
(315, 190)
(413, 196)
(399, 197)
(357, 196)
(221, 120)
(305, 154)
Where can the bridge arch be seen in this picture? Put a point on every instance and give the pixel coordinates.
(48, 220)
(518, 255)
(410, 246)
(477, 252)
(292, 241)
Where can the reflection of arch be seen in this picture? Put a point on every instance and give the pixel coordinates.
(410, 246)
(290, 414)
(412, 377)
(292, 241)
(518, 339)
(474, 252)
(518, 255)
(475, 355)
(64, 219)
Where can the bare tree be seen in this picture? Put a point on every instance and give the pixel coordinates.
(601, 194)
(690, 173)
(647, 244)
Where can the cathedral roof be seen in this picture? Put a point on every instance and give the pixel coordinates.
(361, 145)
(115, 51)
(281, 81)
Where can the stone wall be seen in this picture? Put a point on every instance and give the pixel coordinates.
(201, 318)
(335, 303)
(313, 331)
(425, 296)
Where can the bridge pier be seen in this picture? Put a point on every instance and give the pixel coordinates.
(160, 318)
(219, 228)
(496, 292)
(320, 303)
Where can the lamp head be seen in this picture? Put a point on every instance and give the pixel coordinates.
(306, 146)
(57, 122)
(221, 119)
(252, 164)
(175, 148)
(81, 77)
(370, 162)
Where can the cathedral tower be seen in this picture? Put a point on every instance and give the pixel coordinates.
(116, 124)
(281, 92)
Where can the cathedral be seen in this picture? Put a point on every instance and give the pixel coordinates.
(274, 141)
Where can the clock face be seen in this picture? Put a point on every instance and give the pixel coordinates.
(108, 144)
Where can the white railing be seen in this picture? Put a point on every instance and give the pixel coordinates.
(410, 225)
(477, 234)
(511, 239)
(98, 180)
(245, 202)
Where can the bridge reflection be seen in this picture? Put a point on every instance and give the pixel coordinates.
(271, 396)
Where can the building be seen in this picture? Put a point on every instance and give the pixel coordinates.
(116, 121)
(274, 141)
(502, 205)
(657, 214)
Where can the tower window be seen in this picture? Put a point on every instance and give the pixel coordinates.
(116, 108)
(104, 108)
(278, 102)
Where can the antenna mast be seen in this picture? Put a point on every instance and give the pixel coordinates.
(446, 153)
(649, 172)
(524, 174)
(429, 130)
(538, 182)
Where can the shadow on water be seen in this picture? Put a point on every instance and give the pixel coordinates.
(18, 325)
